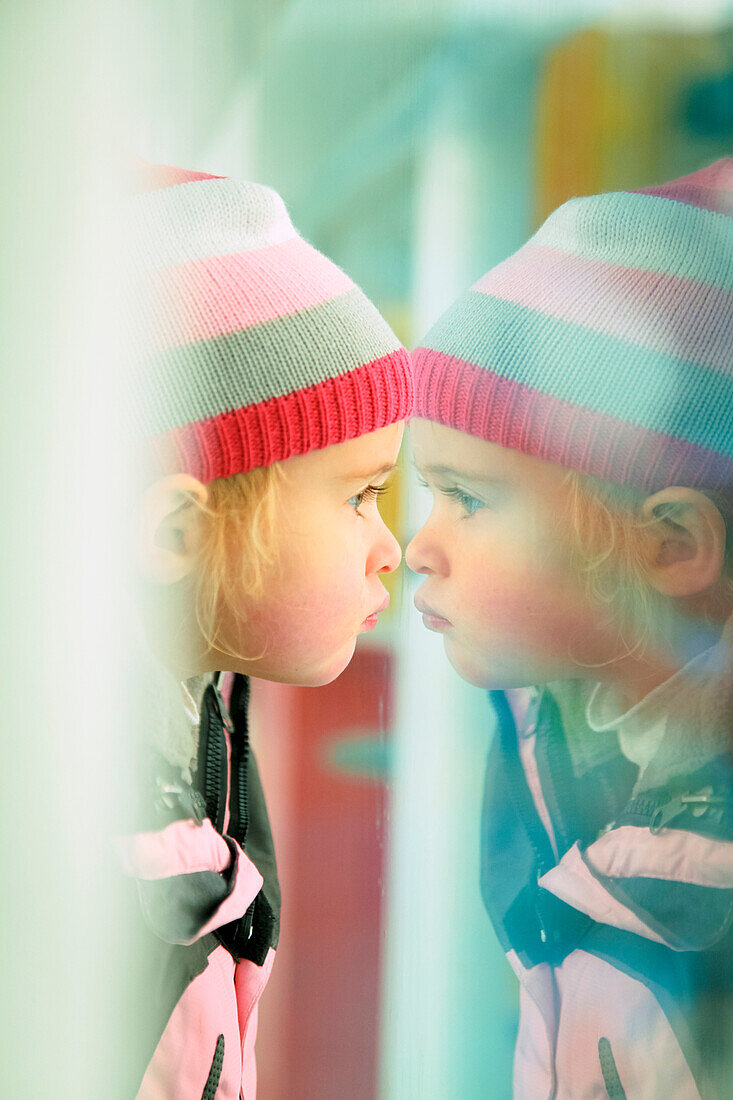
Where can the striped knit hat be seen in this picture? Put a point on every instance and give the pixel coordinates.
(605, 343)
(252, 345)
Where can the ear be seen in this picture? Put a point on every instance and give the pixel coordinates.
(168, 528)
(689, 541)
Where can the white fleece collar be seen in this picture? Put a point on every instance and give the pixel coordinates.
(678, 726)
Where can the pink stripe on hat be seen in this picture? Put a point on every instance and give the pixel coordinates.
(667, 313)
(705, 198)
(156, 177)
(222, 294)
(710, 188)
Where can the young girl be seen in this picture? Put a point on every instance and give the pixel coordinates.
(575, 425)
(270, 395)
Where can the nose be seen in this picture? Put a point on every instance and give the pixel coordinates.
(386, 553)
(423, 553)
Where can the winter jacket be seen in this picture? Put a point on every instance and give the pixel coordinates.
(208, 889)
(615, 910)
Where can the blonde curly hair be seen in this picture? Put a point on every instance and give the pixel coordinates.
(240, 512)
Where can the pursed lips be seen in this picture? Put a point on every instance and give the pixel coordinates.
(382, 607)
(425, 609)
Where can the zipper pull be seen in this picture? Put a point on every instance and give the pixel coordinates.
(223, 712)
(187, 798)
(702, 800)
(664, 814)
(699, 804)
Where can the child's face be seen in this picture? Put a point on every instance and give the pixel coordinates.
(501, 584)
(323, 587)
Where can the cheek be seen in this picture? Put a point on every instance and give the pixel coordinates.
(323, 583)
(495, 581)
(291, 623)
(311, 601)
(529, 602)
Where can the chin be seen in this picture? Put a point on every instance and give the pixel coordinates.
(325, 671)
(467, 665)
(337, 665)
(490, 674)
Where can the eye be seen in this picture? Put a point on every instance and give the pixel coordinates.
(369, 493)
(468, 503)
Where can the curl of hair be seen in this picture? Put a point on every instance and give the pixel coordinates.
(236, 547)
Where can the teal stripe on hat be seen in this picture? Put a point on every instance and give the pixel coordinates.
(589, 368)
(646, 232)
(277, 357)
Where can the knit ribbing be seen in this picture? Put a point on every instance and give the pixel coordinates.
(333, 411)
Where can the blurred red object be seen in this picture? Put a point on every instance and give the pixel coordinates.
(322, 757)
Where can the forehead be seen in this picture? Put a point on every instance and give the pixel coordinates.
(363, 457)
(437, 445)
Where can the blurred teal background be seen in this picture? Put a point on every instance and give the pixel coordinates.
(417, 143)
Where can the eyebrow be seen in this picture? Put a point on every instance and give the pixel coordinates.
(370, 474)
(459, 475)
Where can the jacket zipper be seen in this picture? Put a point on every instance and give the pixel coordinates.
(240, 764)
(214, 752)
(544, 905)
(237, 795)
(519, 791)
(240, 796)
(558, 790)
